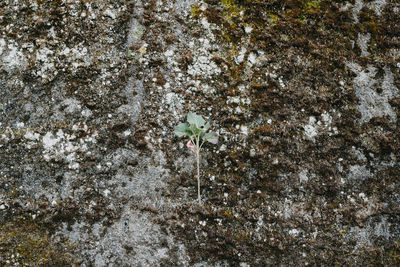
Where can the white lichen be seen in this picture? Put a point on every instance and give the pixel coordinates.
(310, 129)
(371, 103)
(362, 42)
(65, 147)
(12, 58)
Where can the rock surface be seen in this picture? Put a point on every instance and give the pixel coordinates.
(304, 95)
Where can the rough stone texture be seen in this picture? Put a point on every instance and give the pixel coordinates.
(305, 97)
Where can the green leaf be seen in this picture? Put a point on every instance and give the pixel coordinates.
(192, 130)
(206, 127)
(211, 137)
(182, 129)
(195, 119)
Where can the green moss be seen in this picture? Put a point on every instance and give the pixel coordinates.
(232, 8)
(195, 10)
(393, 254)
(272, 19)
(309, 4)
(24, 241)
(228, 213)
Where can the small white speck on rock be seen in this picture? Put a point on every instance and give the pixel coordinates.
(106, 192)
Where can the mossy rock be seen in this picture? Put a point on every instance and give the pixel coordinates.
(26, 242)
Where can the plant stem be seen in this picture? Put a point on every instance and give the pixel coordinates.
(198, 175)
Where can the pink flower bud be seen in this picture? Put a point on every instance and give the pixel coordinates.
(190, 145)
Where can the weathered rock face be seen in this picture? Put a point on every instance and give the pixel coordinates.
(305, 97)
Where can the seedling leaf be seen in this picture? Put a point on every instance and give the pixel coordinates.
(206, 127)
(195, 119)
(182, 129)
(211, 137)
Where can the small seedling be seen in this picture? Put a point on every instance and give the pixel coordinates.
(196, 129)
